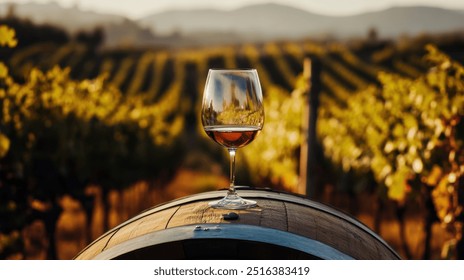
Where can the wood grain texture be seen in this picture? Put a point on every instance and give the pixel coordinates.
(278, 211)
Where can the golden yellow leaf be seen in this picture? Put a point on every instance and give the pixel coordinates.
(4, 145)
(7, 36)
(3, 71)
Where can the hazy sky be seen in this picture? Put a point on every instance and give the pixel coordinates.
(139, 8)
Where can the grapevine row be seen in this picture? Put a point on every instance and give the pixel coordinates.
(164, 80)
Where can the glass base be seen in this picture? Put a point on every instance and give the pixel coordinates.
(233, 201)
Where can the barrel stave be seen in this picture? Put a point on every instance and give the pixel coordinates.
(277, 216)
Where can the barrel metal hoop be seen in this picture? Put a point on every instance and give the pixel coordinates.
(257, 194)
(226, 231)
(271, 195)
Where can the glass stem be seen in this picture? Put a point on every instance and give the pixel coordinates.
(232, 172)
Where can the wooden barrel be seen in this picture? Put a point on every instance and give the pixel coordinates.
(282, 226)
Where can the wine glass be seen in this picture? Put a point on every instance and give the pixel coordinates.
(232, 114)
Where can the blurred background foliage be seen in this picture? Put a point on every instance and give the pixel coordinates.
(390, 123)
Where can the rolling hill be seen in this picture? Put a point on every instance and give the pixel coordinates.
(277, 21)
(255, 22)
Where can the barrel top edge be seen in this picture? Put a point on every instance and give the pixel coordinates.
(257, 194)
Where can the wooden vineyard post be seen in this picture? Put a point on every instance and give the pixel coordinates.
(311, 72)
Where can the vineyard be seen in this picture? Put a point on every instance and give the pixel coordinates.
(120, 116)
